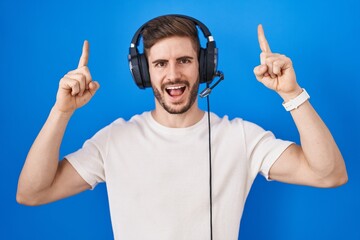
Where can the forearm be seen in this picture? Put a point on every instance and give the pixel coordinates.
(319, 147)
(42, 161)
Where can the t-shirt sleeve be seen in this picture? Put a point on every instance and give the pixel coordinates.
(88, 161)
(263, 149)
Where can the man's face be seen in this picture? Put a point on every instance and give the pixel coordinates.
(174, 73)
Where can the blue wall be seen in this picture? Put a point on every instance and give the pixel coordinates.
(40, 41)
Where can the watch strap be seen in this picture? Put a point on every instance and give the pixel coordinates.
(297, 101)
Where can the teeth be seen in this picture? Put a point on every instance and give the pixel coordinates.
(177, 87)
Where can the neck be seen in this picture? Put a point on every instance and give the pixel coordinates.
(187, 119)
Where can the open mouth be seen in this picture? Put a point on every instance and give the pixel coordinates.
(175, 91)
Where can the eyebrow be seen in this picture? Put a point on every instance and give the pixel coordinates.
(184, 57)
(159, 60)
(165, 60)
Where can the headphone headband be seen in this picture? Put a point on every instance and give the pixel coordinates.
(135, 40)
(207, 57)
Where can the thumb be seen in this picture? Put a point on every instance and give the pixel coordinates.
(260, 71)
(93, 87)
(263, 58)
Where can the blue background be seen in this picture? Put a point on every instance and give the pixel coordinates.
(41, 40)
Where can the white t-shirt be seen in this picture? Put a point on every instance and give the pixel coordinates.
(157, 177)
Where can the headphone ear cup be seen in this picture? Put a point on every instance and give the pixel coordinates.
(202, 66)
(144, 70)
(211, 61)
(134, 64)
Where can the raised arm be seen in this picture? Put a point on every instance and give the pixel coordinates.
(44, 178)
(318, 161)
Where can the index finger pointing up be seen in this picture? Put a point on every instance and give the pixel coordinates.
(85, 55)
(264, 46)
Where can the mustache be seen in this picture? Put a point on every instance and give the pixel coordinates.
(184, 82)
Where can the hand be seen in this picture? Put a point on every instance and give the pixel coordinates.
(276, 71)
(76, 88)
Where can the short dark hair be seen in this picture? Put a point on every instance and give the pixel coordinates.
(169, 26)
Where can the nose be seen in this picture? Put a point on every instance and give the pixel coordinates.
(173, 72)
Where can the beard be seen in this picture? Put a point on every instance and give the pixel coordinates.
(187, 103)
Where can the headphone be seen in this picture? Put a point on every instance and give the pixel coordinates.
(208, 57)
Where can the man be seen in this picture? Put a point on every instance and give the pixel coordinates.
(156, 164)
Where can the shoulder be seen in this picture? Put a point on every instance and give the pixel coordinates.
(138, 119)
(121, 124)
(125, 127)
(237, 122)
(238, 128)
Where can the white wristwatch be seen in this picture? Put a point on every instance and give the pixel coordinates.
(296, 102)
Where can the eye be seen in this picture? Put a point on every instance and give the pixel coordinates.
(160, 64)
(184, 60)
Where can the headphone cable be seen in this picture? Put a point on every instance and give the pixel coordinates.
(210, 168)
(206, 93)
